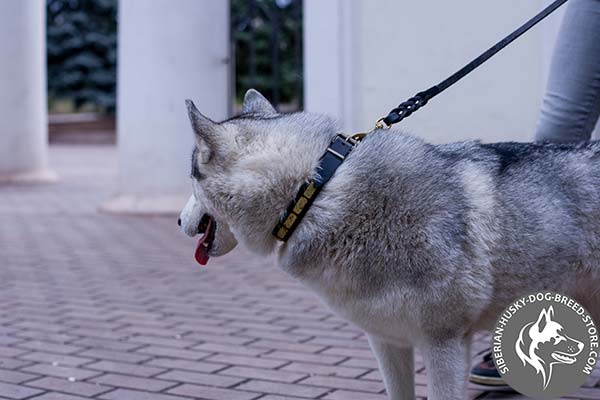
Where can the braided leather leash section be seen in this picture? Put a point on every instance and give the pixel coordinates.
(411, 105)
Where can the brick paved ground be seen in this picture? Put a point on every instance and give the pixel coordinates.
(112, 307)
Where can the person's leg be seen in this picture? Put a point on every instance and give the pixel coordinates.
(571, 104)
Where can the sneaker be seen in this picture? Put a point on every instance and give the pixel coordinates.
(485, 373)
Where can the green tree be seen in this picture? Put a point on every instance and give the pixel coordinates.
(82, 52)
(267, 39)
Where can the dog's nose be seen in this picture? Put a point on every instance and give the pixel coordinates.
(179, 221)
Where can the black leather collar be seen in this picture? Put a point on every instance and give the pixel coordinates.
(334, 156)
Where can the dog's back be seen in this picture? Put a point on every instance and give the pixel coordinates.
(549, 197)
(549, 200)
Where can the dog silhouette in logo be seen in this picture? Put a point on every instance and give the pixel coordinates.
(543, 343)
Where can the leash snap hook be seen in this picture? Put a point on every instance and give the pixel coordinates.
(380, 124)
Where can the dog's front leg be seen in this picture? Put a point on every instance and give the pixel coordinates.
(447, 367)
(397, 367)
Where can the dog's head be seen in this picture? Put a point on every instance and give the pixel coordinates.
(245, 171)
(544, 343)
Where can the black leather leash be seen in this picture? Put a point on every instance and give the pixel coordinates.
(341, 146)
(420, 99)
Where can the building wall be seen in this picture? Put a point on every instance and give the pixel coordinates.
(364, 57)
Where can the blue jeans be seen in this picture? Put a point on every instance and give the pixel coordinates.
(571, 104)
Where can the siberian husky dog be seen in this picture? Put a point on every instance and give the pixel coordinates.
(420, 245)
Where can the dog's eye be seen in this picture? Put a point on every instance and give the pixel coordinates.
(196, 174)
(195, 171)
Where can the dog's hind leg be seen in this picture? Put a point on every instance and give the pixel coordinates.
(447, 367)
(397, 367)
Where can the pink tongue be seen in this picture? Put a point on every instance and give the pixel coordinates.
(201, 254)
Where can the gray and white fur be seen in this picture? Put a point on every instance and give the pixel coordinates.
(420, 245)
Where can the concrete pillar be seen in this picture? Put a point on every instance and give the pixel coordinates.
(364, 57)
(168, 52)
(23, 106)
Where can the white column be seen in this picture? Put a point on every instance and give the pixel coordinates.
(23, 107)
(168, 52)
(364, 57)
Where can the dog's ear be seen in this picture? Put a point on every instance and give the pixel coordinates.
(544, 318)
(206, 132)
(254, 102)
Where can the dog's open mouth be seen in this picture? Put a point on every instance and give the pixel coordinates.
(206, 227)
(563, 358)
